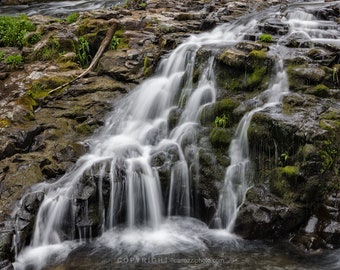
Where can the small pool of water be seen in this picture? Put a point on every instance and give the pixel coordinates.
(177, 244)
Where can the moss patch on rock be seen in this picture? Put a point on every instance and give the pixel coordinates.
(220, 137)
(222, 107)
(239, 71)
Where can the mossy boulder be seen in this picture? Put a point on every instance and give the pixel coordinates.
(320, 90)
(312, 79)
(242, 71)
(225, 106)
(220, 137)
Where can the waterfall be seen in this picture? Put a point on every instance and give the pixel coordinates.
(132, 204)
(238, 174)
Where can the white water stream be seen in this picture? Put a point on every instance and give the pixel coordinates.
(121, 154)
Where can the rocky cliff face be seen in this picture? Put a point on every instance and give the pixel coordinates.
(295, 153)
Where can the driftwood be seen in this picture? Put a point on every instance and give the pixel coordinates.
(106, 41)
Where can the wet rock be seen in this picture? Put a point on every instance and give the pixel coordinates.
(242, 71)
(298, 40)
(264, 216)
(6, 250)
(274, 26)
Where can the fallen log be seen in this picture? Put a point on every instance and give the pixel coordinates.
(105, 43)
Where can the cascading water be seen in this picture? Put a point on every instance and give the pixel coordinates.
(55, 8)
(134, 213)
(238, 173)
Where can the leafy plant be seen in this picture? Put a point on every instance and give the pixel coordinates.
(83, 52)
(267, 38)
(34, 38)
(143, 5)
(13, 30)
(72, 17)
(14, 60)
(283, 158)
(221, 121)
(50, 51)
(114, 42)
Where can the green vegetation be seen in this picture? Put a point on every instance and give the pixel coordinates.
(329, 155)
(283, 158)
(72, 17)
(83, 52)
(14, 60)
(221, 108)
(220, 137)
(50, 51)
(244, 72)
(85, 129)
(267, 38)
(34, 38)
(135, 4)
(221, 121)
(13, 30)
(143, 5)
(321, 90)
(114, 42)
(37, 91)
(283, 182)
(290, 171)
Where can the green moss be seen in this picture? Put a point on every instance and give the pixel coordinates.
(290, 171)
(225, 107)
(85, 129)
(123, 39)
(4, 123)
(237, 71)
(321, 90)
(329, 155)
(259, 130)
(39, 90)
(258, 55)
(68, 65)
(49, 52)
(256, 77)
(147, 67)
(267, 38)
(283, 187)
(72, 17)
(28, 102)
(332, 126)
(331, 115)
(220, 137)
